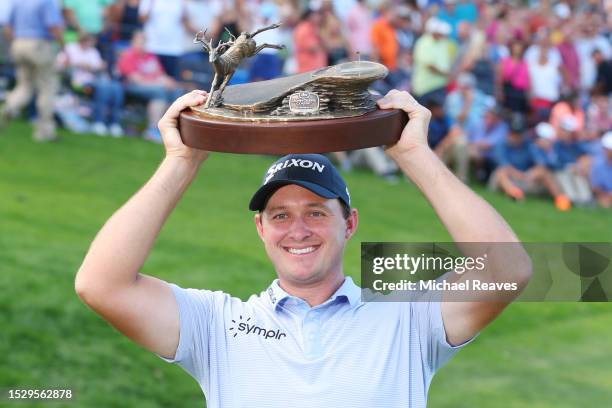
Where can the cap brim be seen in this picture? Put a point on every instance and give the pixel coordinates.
(261, 196)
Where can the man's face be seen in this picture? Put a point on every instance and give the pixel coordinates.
(304, 234)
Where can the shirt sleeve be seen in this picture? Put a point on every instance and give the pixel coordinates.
(196, 311)
(435, 348)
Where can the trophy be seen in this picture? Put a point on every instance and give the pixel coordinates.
(325, 110)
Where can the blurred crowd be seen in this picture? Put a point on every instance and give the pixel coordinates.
(520, 91)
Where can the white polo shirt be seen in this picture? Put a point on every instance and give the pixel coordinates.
(274, 350)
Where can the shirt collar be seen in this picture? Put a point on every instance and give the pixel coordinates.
(348, 291)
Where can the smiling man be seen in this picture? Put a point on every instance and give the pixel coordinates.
(307, 340)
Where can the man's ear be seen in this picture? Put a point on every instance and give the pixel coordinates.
(259, 225)
(351, 224)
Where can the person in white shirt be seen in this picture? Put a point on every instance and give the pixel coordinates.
(87, 75)
(165, 24)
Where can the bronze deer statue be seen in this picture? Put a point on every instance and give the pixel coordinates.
(227, 55)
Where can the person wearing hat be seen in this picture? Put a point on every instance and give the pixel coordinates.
(482, 139)
(433, 56)
(465, 106)
(573, 158)
(308, 339)
(520, 171)
(601, 173)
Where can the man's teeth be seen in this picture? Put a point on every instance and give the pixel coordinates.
(301, 251)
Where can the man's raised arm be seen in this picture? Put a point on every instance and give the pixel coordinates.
(466, 216)
(142, 307)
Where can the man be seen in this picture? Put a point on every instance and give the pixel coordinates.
(309, 48)
(33, 27)
(385, 33)
(146, 79)
(308, 339)
(573, 161)
(483, 138)
(465, 107)
(86, 16)
(433, 56)
(601, 173)
(519, 173)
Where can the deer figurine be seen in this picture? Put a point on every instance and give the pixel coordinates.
(227, 55)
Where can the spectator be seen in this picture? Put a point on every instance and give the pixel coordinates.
(513, 81)
(33, 26)
(544, 149)
(568, 106)
(439, 125)
(392, 38)
(86, 69)
(603, 78)
(332, 36)
(309, 49)
(384, 41)
(448, 13)
(432, 58)
(544, 63)
(448, 142)
(569, 57)
(470, 52)
(518, 173)
(573, 162)
(86, 16)
(482, 139)
(601, 173)
(267, 64)
(124, 19)
(466, 105)
(342, 8)
(359, 24)
(165, 24)
(598, 116)
(145, 79)
(375, 159)
(587, 42)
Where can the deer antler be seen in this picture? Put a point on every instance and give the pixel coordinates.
(232, 36)
(201, 38)
(222, 44)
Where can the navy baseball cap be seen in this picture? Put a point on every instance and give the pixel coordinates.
(312, 171)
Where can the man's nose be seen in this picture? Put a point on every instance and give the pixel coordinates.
(299, 230)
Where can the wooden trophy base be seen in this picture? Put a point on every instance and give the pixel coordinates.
(376, 128)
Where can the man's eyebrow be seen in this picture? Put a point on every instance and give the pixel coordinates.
(318, 205)
(310, 205)
(276, 208)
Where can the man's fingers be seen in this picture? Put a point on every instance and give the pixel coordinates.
(193, 98)
(402, 100)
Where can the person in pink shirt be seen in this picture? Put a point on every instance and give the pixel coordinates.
(513, 79)
(146, 79)
(310, 52)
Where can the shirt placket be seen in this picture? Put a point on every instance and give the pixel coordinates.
(311, 334)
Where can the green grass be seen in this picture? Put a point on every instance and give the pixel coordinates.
(55, 197)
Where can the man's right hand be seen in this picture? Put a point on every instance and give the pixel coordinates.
(168, 126)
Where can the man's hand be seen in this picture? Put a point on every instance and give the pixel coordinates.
(414, 135)
(168, 126)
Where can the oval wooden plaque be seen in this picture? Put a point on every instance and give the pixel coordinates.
(376, 128)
